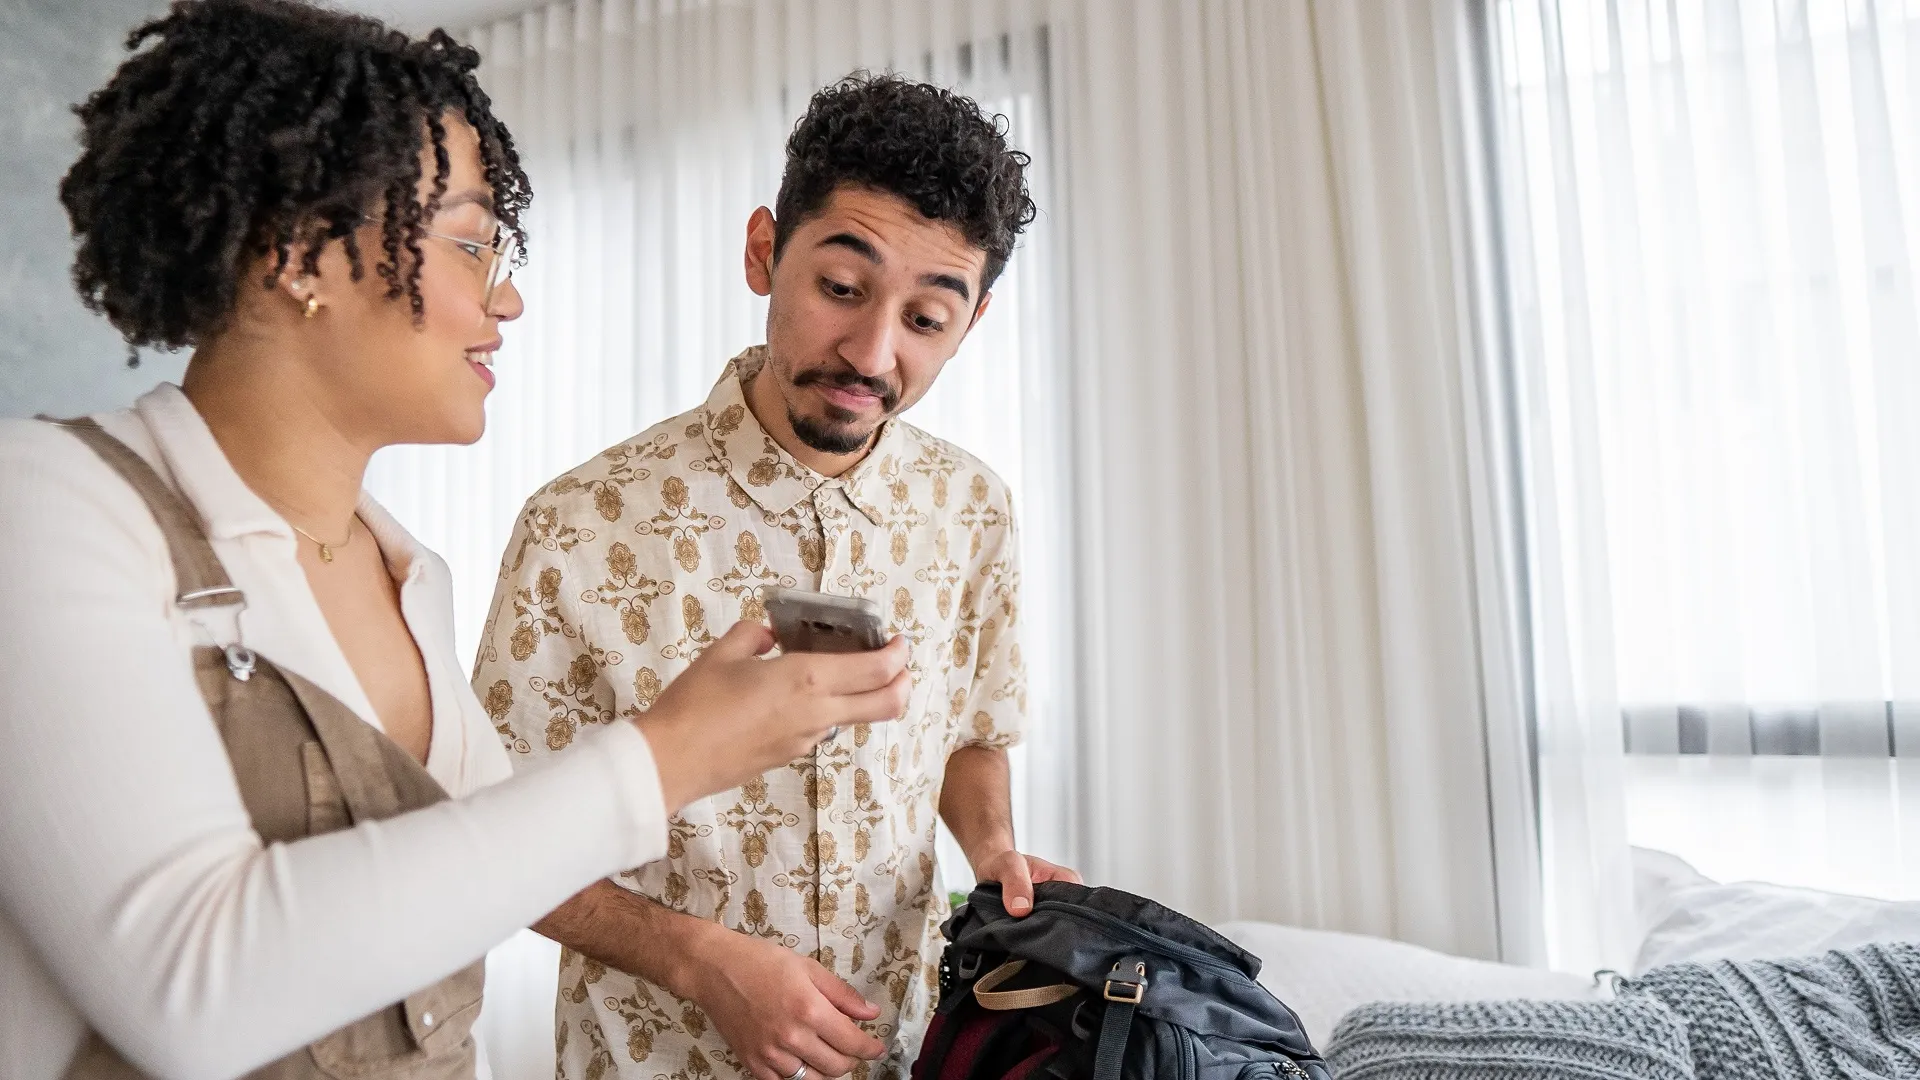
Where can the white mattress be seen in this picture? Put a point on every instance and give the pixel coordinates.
(1322, 974)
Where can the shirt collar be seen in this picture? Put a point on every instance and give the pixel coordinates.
(228, 507)
(763, 469)
(406, 557)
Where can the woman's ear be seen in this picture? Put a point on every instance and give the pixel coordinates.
(294, 283)
(759, 255)
(305, 292)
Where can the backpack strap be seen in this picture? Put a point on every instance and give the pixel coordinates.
(1125, 986)
(1008, 1000)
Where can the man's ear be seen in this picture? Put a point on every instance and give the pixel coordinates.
(759, 255)
(985, 299)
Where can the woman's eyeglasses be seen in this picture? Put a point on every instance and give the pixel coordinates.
(498, 257)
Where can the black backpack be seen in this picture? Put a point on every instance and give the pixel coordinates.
(1098, 984)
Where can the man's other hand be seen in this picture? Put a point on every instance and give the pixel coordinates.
(780, 1010)
(1017, 875)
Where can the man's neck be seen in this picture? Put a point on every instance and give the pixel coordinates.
(770, 409)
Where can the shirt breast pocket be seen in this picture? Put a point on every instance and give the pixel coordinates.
(908, 742)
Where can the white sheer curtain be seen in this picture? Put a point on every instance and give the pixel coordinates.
(1711, 208)
(1232, 376)
(1300, 703)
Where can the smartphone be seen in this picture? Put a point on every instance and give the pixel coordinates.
(816, 622)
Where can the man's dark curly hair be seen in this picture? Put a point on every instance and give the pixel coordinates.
(931, 147)
(251, 127)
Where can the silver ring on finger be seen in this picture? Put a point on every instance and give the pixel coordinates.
(798, 1074)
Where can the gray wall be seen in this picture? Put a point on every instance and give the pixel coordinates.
(56, 356)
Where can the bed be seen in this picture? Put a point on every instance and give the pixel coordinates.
(1682, 915)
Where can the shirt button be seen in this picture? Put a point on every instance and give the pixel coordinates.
(426, 1020)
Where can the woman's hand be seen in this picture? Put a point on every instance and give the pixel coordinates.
(732, 716)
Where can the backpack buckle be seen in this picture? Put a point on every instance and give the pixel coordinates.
(969, 967)
(1126, 991)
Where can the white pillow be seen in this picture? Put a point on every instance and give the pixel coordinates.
(1657, 876)
(1690, 917)
(1323, 974)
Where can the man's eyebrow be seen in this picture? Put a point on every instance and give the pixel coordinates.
(947, 281)
(871, 254)
(855, 244)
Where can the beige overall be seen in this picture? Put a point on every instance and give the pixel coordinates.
(305, 765)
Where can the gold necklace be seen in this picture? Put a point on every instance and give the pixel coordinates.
(326, 549)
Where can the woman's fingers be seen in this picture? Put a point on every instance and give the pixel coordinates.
(744, 639)
(840, 674)
(888, 702)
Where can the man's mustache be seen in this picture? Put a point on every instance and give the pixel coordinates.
(889, 395)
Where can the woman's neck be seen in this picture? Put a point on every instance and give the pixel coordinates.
(276, 429)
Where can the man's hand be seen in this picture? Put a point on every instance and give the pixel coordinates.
(1017, 875)
(977, 805)
(780, 1010)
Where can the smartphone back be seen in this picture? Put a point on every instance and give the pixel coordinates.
(818, 622)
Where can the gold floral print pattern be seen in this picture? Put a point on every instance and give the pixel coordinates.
(622, 571)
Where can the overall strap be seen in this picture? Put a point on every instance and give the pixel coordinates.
(377, 779)
(203, 582)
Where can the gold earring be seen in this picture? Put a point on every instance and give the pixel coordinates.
(313, 306)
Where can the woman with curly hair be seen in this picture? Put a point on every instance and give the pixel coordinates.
(251, 817)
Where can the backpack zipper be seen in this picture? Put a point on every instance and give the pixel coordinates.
(1189, 1056)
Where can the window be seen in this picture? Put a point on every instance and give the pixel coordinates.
(1709, 213)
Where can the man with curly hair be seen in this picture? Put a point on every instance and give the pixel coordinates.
(793, 929)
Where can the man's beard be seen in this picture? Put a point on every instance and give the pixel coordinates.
(835, 439)
(839, 438)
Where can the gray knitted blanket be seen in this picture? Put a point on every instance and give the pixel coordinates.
(1852, 1015)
